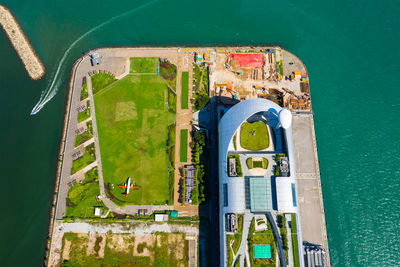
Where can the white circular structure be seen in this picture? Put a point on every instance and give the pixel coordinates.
(285, 118)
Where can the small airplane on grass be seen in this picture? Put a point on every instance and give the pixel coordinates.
(128, 186)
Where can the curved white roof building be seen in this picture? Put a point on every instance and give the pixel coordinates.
(234, 197)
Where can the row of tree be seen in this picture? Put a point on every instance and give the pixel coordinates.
(199, 159)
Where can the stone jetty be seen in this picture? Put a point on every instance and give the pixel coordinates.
(25, 51)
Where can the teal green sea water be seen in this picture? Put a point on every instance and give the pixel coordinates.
(351, 50)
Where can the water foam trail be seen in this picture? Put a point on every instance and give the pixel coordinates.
(52, 89)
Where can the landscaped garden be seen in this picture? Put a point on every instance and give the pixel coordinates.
(257, 163)
(168, 72)
(81, 199)
(82, 138)
(277, 168)
(262, 239)
(235, 239)
(201, 86)
(144, 65)
(101, 80)
(254, 136)
(185, 90)
(84, 92)
(238, 164)
(87, 158)
(85, 114)
(132, 120)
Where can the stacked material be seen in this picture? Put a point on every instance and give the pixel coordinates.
(32, 63)
(314, 255)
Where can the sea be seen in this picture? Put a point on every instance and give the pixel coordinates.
(352, 53)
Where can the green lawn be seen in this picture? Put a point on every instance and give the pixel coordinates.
(185, 90)
(254, 136)
(183, 145)
(132, 121)
(294, 241)
(101, 80)
(279, 67)
(85, 160)
(81, 199)
(143, 64)
(82, 138)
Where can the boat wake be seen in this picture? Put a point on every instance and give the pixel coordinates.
(52, 88)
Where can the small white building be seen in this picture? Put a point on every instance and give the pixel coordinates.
(98, 212)
(161, 217)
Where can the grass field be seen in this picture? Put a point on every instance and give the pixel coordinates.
(143, 64)
(183, 145)
(101, 80)
(132, 120)
(185, 90)
(254, 136)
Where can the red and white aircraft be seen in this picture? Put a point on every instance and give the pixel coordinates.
(128, 186)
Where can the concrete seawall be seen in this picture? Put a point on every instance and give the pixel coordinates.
(60, 160)
(21, 44)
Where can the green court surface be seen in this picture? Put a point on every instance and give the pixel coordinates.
(143, 65)
(185, 90)
(132, 120)
(262, 251)
(183, 145)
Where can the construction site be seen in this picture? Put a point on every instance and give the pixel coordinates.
(266, 73)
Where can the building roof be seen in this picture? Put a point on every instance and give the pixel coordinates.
(262, 251)
(260, 194)
(248, 60)
(286, 194)
(161, 217)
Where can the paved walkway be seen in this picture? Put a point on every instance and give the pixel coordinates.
(248, 217)
(183, 121)
(308, 182)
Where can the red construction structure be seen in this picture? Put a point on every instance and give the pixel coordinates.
(248, 60)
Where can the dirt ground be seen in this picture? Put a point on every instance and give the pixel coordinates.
(176, 245)
(145, 241)
(136, 245)
(67, 247)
